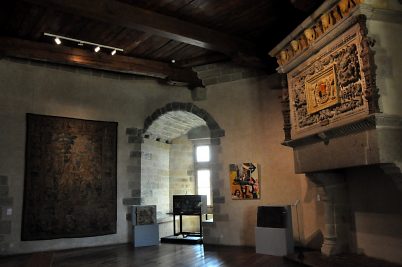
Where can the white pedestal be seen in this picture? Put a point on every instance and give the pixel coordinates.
(146, 235)
(145, 226)
(273, 241)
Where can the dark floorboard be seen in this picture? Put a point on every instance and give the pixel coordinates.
(166, 255)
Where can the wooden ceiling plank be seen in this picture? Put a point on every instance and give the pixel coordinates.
(202, 60)
(171, 53)
(50, 21)
(13, 24)
(161, 52)
(118, 13)
(69, 29)
(188, 52)
(14, 47)
(111, 37)
(138, 41)
(40, 26)
(33, 14)
(149, 44)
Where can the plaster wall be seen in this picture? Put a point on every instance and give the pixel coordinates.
(182, 175)
(250, 113)
(312, 211)
(182, 178)
(155, 175)
(388, 59)
(376, 213)
(71, 92)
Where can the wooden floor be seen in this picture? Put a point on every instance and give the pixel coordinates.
(166, 255)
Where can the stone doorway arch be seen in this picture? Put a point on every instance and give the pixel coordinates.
(160, 128)
(175, 119)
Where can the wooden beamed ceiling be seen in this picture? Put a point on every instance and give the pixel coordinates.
(151, 32)
(127, 16)
(74, 56)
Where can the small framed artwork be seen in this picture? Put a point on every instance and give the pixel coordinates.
(244, 181)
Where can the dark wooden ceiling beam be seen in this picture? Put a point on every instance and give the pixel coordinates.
(125, 15)
(13, 47)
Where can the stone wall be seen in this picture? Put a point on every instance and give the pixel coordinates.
(32, 87)
(376, 209)
(134, 140)
(182, 176)
(6, 208)
(250, 113)
(248, 110)
(155, 175)
(225, 72)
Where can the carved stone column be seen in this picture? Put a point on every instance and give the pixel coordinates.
(337, 215)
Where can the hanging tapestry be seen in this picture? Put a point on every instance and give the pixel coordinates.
(70, 178)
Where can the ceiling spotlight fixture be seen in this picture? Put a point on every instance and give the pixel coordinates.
(173, 61)
(57, 40)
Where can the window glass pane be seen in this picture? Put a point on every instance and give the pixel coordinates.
(204, 184)
(202, 153)
(203, 178)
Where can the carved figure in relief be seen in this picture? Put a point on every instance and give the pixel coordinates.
(348, 65)
(295, 46)
(318, 101)
(284, 56)
(324, 91)
(290, 52)
(326, 21)
(303, 42)
(278, 59)
(335, 15)
(344, 6)
(318, 30)
(310, 35)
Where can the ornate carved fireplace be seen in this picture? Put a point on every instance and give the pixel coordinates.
(335, 114)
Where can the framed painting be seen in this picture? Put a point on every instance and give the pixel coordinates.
(70, 178)
(244, 181)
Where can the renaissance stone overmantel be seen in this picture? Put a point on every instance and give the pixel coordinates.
(341, 99)
(335, 113)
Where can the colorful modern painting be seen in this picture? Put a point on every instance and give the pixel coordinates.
(70, 178)
(245, 181)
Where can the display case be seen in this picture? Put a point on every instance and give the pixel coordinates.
(188, 205)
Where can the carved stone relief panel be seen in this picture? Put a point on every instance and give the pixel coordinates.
(321, 90)
(328, 89)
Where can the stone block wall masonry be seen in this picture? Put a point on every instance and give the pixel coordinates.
(155, 175)
(182, 179)
(6, 204)
(224, 72)
(134, 139)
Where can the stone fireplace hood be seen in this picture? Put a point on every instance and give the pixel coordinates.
(376, 139)
(348, 123)
(335, 116)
